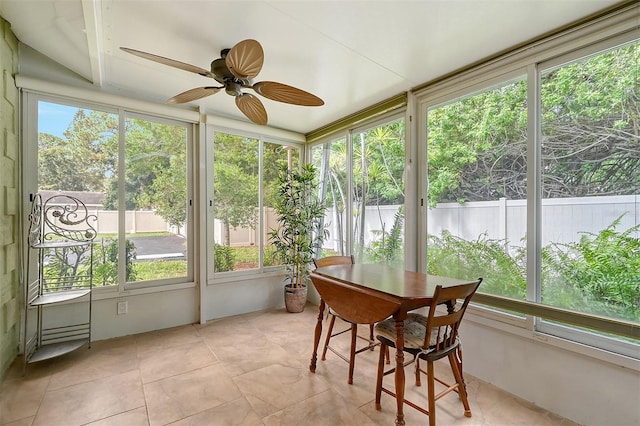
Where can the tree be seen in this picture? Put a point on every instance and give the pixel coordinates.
(237, 179)
(591, 135)
(235, 176)
(83, 158)
(156, 169)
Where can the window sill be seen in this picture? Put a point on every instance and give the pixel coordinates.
(111, 292)
(494, 321)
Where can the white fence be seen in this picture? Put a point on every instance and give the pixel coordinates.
(563, 220)
(136, 221)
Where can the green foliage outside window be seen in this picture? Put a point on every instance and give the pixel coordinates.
(105, 269)
(598, 274)
(503, 274)
(388, 247)
(223, 258)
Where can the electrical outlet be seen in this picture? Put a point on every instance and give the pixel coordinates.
(123, 308)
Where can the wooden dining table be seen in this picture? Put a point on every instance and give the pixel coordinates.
(369, 293)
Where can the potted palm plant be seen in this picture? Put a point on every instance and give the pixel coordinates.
(301, 230)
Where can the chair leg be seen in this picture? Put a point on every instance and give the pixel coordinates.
(384, 349)
(371, 327)
(418, 383)
(462, 391)
(431, 394)
(458, 359)
(352, 352)
(326, 340)
(371, 335)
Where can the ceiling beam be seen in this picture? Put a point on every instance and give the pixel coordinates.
(91, 10)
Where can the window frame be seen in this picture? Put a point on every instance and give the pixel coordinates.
(30, 122)
(347, 134)
(575, 43)
(217, 278)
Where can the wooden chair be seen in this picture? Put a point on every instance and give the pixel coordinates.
(429, 339)
(371, 343)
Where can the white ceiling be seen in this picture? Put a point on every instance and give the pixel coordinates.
(352, 54)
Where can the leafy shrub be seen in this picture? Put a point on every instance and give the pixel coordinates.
(599, 274)
(64, 267)
(105, 269)
(388, 248)
(502, 273)
(223, 258)
(604, 268)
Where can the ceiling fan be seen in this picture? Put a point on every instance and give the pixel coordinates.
(235, 70)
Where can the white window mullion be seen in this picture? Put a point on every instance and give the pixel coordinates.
(122, 205)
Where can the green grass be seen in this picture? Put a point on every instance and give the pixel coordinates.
(159, 269)
(136, 235)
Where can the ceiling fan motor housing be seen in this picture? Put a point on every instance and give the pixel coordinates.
(232, 88)
(221, 72)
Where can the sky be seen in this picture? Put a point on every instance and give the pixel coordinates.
(54, 118)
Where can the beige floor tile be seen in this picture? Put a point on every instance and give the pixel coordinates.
(159, 364)
(228, 333)
(163, 339)
(101, 362)
(135, 417)
(21, 397)
(245, 370)
(234, 413)
(253, 355)
(184, 395)
(273, 388)
(335, 372)
(88, 402)
(28, 421)
(327, 408)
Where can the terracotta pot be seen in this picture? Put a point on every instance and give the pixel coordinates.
(295, 298)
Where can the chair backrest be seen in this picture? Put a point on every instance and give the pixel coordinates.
(442, 327)
(333, 260)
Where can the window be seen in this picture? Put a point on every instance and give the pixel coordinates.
(330, 160)
(363, 181)
(245, 170)
(156, 198)
(590, 184)
(139, 191)
(378, 194)
(477, 180)
(556, 195)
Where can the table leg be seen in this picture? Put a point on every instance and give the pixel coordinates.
(316, 341)
(399, 375)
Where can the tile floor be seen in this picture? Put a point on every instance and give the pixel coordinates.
(246, 370)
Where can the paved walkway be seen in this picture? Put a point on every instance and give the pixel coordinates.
(160, 247)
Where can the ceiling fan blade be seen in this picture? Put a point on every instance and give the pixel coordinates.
(193, 94)
(252, 108)
(245, 59)
(170, 62)
(287, 94)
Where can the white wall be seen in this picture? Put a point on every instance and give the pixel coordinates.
(577, 386)
(146, 312)
(156, 310)
(227, 298)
